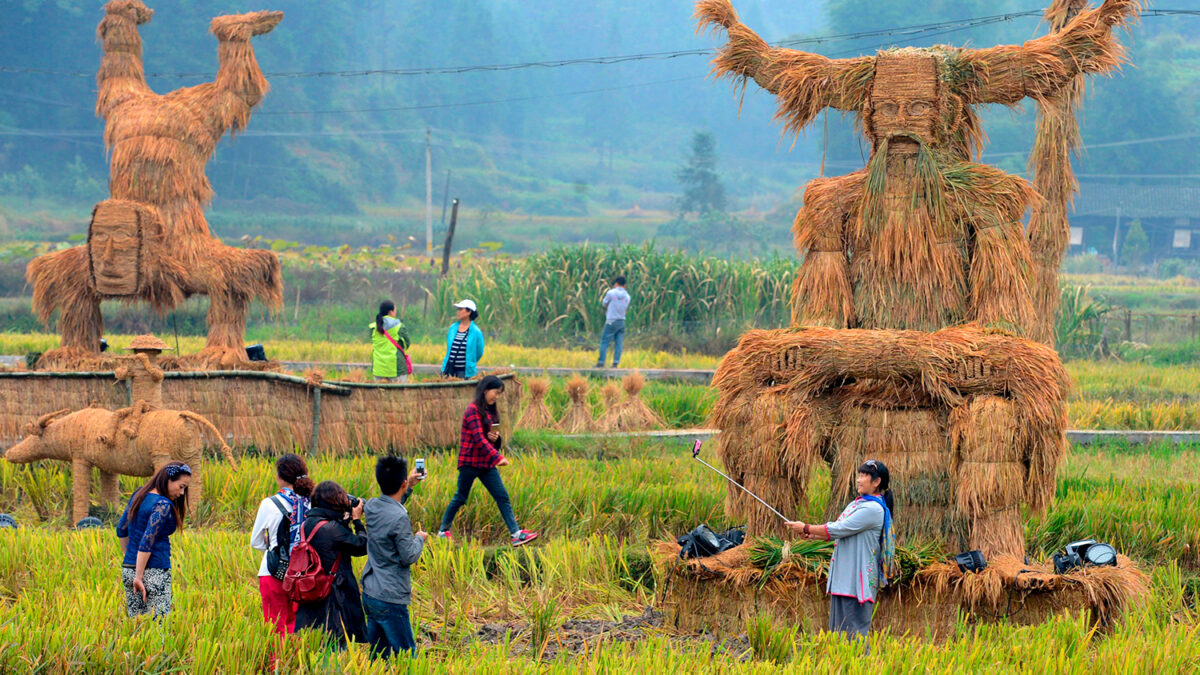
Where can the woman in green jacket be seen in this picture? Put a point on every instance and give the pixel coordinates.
(389, 342)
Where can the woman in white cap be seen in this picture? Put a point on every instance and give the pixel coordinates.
(464, 343)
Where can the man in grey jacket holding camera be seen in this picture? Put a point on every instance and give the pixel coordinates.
(392, 549)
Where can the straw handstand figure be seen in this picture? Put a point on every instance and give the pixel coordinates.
(922, 328)
(151, 242)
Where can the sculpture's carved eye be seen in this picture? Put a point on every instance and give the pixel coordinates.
(888, 109)
(919, 107)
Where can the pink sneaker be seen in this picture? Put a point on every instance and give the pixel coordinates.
(523, 537)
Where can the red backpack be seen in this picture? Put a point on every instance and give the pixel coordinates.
(305, 580)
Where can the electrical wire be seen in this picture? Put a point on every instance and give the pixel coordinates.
(913, 30)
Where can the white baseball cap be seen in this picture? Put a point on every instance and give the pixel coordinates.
(466, 304)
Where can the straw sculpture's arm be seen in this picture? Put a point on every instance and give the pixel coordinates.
(1040, 68)
(121, 76)
(1056, 139)
(60, 281)
(822, 294)
(240, 83)
(805, 83)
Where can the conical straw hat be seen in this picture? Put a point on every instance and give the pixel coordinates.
(147, 341)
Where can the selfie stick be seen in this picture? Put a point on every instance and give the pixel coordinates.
(696, 456)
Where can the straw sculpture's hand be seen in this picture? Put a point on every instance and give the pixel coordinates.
(244, 26)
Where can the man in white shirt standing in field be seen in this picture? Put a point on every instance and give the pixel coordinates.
(616, 303)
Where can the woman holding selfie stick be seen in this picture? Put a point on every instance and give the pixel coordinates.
(864, 550)
(479, 458)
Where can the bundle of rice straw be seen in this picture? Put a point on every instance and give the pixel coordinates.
(611, 393)
(633, 414)
(578, 418)
(536, 415)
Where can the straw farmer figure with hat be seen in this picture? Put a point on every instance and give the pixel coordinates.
(921, 311)
(150, 241)
(145, 381)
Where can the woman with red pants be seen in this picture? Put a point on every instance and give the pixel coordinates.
(291, 502)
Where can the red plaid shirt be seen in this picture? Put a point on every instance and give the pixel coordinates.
(475, 450)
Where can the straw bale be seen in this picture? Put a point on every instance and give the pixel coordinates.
(610, 393)
(536, 415)
(633, 414)
(578, 417)
(151, 240)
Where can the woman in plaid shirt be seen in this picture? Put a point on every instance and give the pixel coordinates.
(479, 458)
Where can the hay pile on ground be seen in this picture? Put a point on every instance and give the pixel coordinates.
(721, 593)
(610, 393)
(578, 417)
(537, 414)
(633, 414)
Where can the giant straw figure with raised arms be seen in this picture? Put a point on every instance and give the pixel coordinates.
(151, 242)
(916, 337)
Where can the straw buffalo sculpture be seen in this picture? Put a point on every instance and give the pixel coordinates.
(85, 439)
(922, 311)
(151, 242)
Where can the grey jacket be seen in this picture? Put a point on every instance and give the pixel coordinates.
(391, 550)
(854, 570)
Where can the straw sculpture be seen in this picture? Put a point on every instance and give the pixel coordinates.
(82, 438)
(536, 414)
(610, 393)
(633, 414)
(151, 242)
(919, 293)
(578, 418)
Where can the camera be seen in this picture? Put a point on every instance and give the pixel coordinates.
(353, 501)
(1084, 553)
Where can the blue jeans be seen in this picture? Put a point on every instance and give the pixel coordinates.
(615, 331)
(495, 486)
(388, 628)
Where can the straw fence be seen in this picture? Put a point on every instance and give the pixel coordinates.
(271, 413)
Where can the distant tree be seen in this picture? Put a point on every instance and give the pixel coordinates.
(703, 192)
(1136, 246)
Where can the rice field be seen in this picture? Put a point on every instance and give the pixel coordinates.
(582, 599)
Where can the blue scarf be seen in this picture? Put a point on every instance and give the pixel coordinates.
(888, 567)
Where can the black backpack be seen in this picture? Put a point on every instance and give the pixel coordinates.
(280, 554)
(703, 542)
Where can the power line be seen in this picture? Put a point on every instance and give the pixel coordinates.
(463, 104)
(912, 30)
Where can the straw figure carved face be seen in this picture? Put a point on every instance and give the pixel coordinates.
(114, 250)
(904, 99)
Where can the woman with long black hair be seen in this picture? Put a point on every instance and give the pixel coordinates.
(389, 346)
(153, 514)
(479, 458)
(864, 554)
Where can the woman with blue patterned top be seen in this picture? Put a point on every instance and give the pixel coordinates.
(154, 512)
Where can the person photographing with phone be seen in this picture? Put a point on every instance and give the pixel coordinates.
(479, 458)
(392, 549)
(864, 554)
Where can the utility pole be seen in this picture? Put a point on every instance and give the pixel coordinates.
(428, 198)
(449, 238)
(445, 196)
